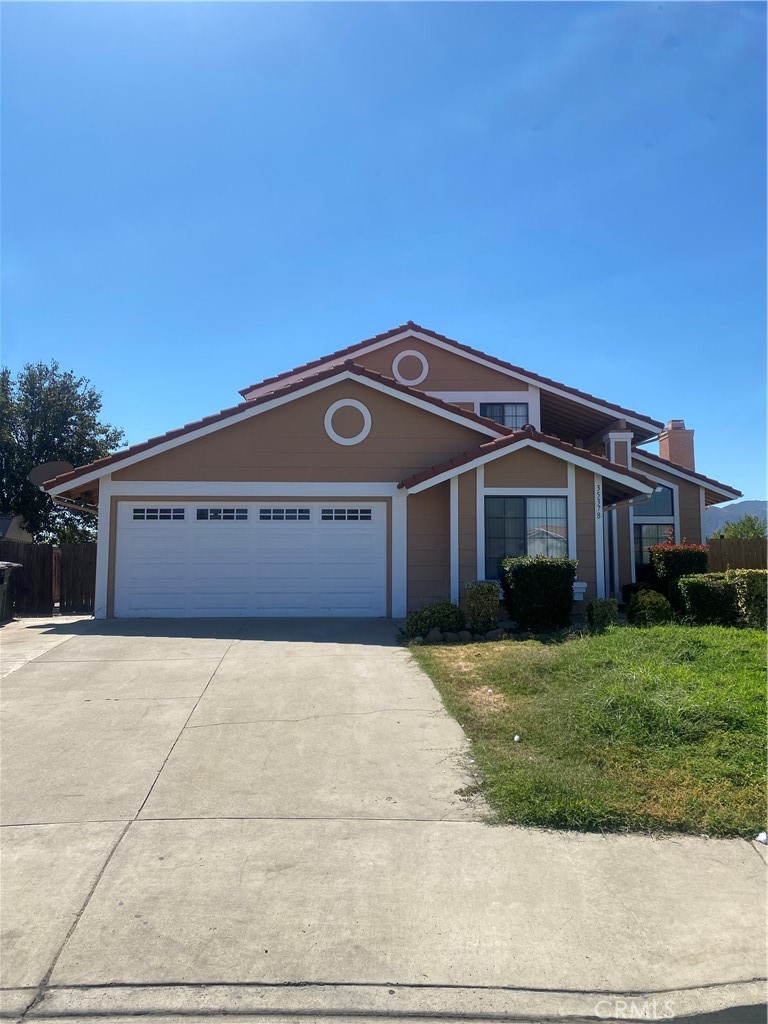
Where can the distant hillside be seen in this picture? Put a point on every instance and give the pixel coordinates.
(716, 518)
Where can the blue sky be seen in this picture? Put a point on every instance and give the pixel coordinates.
(200, 195)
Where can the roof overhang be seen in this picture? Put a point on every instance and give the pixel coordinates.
(629, 483)
(714, 491)
(82, 480)
(643, 425)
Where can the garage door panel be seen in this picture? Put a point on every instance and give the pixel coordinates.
(259, 565)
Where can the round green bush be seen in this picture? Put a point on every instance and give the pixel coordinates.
(602, 612)
(443, 615)
(647, 608)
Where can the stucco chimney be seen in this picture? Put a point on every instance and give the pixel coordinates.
(676, 444)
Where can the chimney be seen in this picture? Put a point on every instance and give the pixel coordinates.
(676, 444)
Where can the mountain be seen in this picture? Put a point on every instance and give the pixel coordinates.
(716, 518)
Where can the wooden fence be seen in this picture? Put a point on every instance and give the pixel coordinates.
(735, 553)
(51, 576)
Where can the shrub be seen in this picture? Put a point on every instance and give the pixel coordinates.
(648, 608)
(602, 612)
(482, 601)
(443, 615)
(538, 591)
(629, 589)
(671, 561)
(751, 587)
(709, 599)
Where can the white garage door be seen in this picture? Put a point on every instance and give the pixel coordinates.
(251, 558)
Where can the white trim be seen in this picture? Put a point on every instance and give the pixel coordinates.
(619, 435)
(571, 509)
(347, 403)
(638, 517)
(652, 428)
(728, 495)
(414, 380)
(615, 587)
(632, 564)
(558, 453)
(480, 524)
(102, 548)
(454, 538)
(537, 492)
(399, 555)
(599, 539)
(249, 488)
(229, 421)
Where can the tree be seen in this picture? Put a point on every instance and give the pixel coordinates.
(48, 415)
(747, 526)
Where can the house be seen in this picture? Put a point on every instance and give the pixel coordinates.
(12, 528)
(379, 478)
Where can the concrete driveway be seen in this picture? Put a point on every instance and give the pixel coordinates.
(265, 817)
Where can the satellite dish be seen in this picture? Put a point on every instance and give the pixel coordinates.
(48, 471)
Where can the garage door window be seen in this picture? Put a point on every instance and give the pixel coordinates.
(157, 514)
(284, 515)
(346, 515)
(213, 515)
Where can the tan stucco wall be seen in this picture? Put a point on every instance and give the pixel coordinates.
(467, 529)
(290, 443)
(447, 371)
(585, 534)
(428, 546)
(527, 467)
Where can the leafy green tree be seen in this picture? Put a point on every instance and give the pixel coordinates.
(48, 415)
(747, 526)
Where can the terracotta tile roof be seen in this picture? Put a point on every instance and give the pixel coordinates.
(334, 371)
(460, 346)
(689, 472)
(504, 442)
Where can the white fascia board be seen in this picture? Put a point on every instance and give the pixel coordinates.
(533, 382)
(558, 453)
(248, 488)
(229, 421)
(728, 495)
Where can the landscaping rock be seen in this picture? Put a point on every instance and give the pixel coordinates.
(418, 640)
(495, 634)
(465, 636)
(434, 636)
(451, 638)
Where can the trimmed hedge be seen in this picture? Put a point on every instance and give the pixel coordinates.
(630, 589)
(538, 591)
(709, 599)
(670, 562)
(649, 608)
(442, 615)
(481, 598)
(751, 587)
(602, 612)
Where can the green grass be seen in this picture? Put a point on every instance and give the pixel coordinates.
(659, 729)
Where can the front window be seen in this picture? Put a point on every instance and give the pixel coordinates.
(516, 526)
(660, 504)
(509, 414)
(647, 535)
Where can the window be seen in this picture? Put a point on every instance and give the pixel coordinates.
(220, 514)
(346, 515)
(157, 514)
(661, 503)
(509, 414)
(524, 526)
(648, 534)
(284, 515)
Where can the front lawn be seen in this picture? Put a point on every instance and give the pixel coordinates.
(642, 729)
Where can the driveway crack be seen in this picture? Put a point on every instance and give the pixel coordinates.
(310, 718)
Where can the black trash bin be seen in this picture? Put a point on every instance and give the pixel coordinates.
(6, 568)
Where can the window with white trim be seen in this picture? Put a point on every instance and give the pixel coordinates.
(284, 515)
(660, 509)
(346, 515)
(516, 526)
(155, 514)
(218, 515)
(509, 414)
